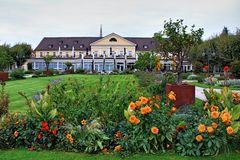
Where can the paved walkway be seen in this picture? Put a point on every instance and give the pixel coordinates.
(199, 92)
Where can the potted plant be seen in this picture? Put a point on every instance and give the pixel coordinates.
(69, 65)
(5, 61)
(47, 59)
(175, 43)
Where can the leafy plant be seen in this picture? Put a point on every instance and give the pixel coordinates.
(4, 100)
(17, 74)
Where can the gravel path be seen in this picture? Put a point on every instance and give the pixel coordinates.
(199, 92)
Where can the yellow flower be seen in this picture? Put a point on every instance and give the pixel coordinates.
(172, 96)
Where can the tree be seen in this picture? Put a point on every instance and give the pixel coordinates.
(47, 59)
(174, 41)
(68, 64)
(21, 52)
(146, 61)
(5, 58)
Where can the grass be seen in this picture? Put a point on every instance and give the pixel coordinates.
(23, 154)
(33, 85)
(209, 86)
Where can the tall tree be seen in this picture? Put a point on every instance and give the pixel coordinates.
(47, 59)
(21, 52)
(5, 58)
(175, 41)
(146, 61)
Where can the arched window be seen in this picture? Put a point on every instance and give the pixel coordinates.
(113, 40)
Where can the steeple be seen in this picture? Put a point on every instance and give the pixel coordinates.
(101, 30)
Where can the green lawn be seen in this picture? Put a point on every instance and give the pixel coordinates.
(23, 154)
(209, 86)
(33, 85)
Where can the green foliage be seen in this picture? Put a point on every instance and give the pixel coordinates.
(235, 68)
(68, 64)
(185, 75)
(21, 52)
(17, 73)
(80, 71)
(4, 100)
(146, 61)
(176, 40)
(5, 58)
(198, 67)
(47, 59)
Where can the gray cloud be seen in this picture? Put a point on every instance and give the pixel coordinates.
(31, 20)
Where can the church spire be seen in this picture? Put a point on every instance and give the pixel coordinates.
(101, 30)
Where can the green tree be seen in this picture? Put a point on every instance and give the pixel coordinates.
(175, 41)
(68, 64)
(21, 52)
(47, 59)
(146, 61)
(5, 58)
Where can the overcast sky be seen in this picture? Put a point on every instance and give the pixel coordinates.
(31, 20)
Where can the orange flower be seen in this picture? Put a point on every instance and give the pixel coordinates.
(148, 109)
(214, 108)
(104, 150)
(117, 148)
(206, 105)
(214, 125)
(210, 130)
(225, 116)
(132, 119)
(62, 119)
(172, 96)
(143, 110)
(173, 109)
(137, 121)
(143, 100)
(69, 137)
(215, 114)
(158, 98)
(201, 128)
(84, 122)
(154, 130)
(138, 103)
(16, 133)
(199, 138)
(156, 105)
(132, 106)
(229, 130)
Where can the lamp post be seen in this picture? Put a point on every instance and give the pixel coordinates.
(209, 53)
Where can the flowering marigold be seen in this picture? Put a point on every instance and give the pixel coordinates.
(214, 125)
(137, 121)
(225, 116)
(215, 114)
(143, 110)
(229, 130)
(206, 105)
(172, 96)
(84, 122)
(154, 130)
(138, 103)
(156, 105)
(210, 130)
(199, 138)
(132, 118)
(201, 128)
(69, 137)
(214, 108)
(16, 133)
(158, 98)
(132, 106)
(174, 109)
(148, 109)
(117, 148)
(143, 100)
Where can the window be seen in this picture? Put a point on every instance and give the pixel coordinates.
(54, 54)
(60, 54)
(130, 53)
(121, 53)
(75, 42)
(145, 46)
(67, 54)
(60, 42)
(47, 53)
(82, 46)
(87, 66)
(41, 54)
(109, 66)
(113, 40)
(50, 46)
(65, 46)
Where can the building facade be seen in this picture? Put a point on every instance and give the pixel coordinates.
(101, 54)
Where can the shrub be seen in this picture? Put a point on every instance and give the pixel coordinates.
(80, 71)
(37, 72)
(29, 72)
(198, 67)
(200, 79)
(4, 100)
(210, 81)
(17, 74)
(127, 71)
(185, 75)
(235, 68)
(230, 82)
(192, 77)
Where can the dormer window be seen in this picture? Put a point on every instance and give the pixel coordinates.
(75, 42)
(82, 46)
(145, 46)
(65, 46)
(50, 46)
(113, 40)
(60, 42)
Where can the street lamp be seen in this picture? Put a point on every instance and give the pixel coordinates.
(209, 53)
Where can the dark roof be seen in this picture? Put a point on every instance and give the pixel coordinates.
(81, 43)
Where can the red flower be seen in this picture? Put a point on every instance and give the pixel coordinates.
(206, 67)
(54, 131)
(39, 135)
(60, 123)
(44, 126)
(226, 69)
(61, 115)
